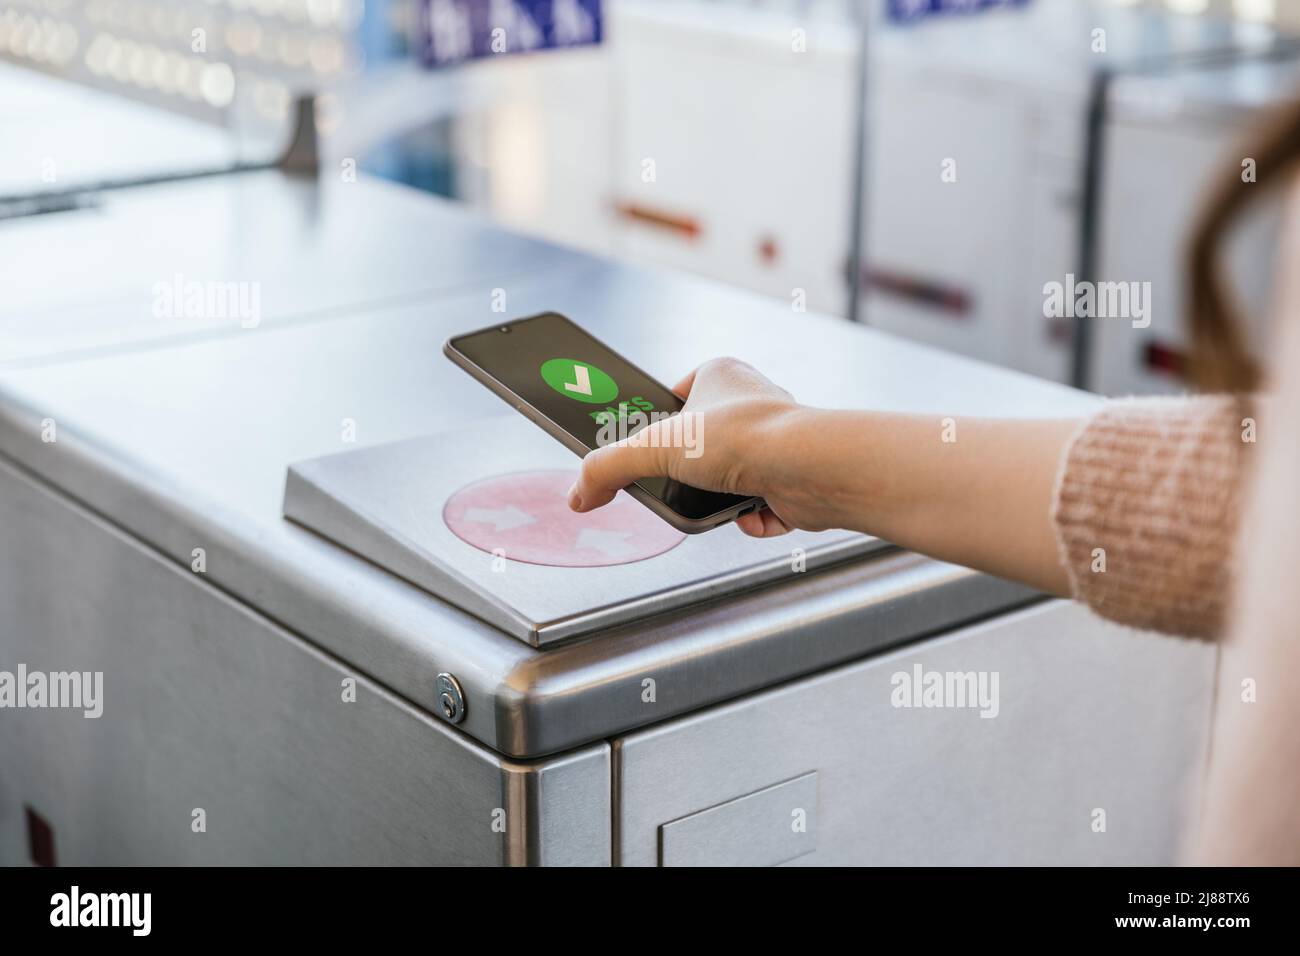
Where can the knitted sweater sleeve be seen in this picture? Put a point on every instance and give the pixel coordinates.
(1146, 508)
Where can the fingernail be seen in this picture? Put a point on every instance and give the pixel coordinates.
(575, 499)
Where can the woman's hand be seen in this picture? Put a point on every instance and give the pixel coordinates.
(971, 491)
(740, 419)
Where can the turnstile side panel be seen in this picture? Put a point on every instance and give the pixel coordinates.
(773, 826)
(1091, 719)
(567, 802)
(209, 706)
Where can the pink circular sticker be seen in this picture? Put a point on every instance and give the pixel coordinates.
(525, 516)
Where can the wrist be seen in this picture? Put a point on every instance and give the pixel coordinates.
(823, 461)
(792, 456)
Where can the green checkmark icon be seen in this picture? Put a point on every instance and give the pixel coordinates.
(579, 380)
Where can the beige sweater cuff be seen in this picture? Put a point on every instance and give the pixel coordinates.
(1146, 507)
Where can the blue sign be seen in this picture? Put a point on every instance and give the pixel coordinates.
(906, 11)
(453, 31)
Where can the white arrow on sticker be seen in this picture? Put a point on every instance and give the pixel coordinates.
(503, 519)
(612, 543)
(583, 384)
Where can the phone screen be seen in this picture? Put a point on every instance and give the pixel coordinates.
(586, 388)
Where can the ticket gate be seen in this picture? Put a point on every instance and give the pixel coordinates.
(342, 618)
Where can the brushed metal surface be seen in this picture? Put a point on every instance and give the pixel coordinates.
(771, 826)
(186, 443)
(385, 502)
(528, 703)
(208, 705)
(1090, 716)
(311, 251)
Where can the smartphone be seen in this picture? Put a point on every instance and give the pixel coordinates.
(580, 391)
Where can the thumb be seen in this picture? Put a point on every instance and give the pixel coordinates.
(607, 470)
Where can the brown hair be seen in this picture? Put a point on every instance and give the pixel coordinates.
(1219, 359)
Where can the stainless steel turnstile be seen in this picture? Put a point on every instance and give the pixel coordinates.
(357, 682)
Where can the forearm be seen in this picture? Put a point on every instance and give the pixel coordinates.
(977, 492)
(1132, 512)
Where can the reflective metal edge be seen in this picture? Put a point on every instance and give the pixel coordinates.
(565, 802)
(521, 701)
(708, 654)
(707, 589)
